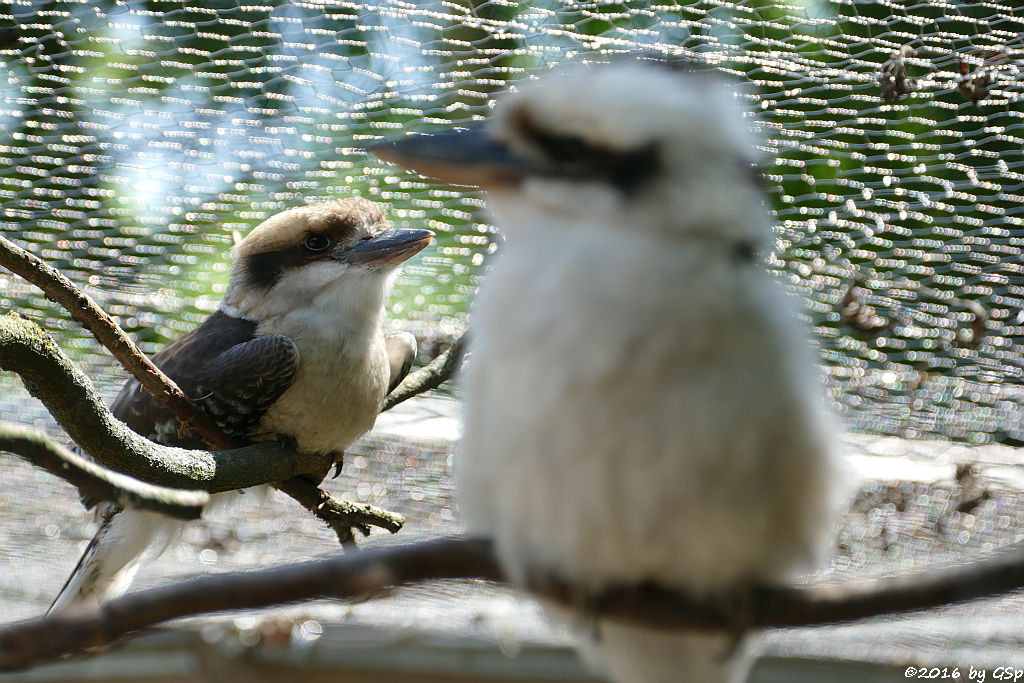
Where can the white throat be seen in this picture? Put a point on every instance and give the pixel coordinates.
(321, 302)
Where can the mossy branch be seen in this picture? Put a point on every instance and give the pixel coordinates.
(83, 309)
(61, 290)
(97, 482)
(67, 393)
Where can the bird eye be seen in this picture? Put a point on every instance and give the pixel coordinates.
(316, 242)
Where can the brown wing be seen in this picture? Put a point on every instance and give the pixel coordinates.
(234, 375)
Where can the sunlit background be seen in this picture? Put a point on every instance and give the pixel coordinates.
(136, 137)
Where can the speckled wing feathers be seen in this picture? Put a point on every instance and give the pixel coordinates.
(237, 387)
(236, 377)
(241, 378)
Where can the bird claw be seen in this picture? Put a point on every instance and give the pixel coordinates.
(338, 458)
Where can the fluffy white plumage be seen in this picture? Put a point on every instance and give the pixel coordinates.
(641, 404)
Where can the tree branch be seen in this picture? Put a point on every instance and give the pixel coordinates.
(340, 515)
(82, 308)
(787, 606)
(353, 575)
(345, 576)
(98, 482)
(68, 394)
(430, 376)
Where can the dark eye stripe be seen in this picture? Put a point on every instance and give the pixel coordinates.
(572, 156)
(263, 270)
(564, 148)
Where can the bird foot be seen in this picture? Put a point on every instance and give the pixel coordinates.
(338, 459)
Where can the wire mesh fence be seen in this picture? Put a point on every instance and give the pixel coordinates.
(137, 136)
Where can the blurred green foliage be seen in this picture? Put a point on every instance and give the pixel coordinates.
(136, 136)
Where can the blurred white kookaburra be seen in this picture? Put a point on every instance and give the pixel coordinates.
(641, 405)
(295, 350)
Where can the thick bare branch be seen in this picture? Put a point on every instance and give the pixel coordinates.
(779, 607)
(97, 482)
(433, 375)
(358, 574)
(349, 575)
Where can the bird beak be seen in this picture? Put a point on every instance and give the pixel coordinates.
(388, 248)
(462, 157)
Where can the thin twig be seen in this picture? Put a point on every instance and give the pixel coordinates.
(431, 376)
(368, 572)
(341, 515)
(968, 338)
(96, 481)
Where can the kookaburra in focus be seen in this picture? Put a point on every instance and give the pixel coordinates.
(294, 350)
(641, 404)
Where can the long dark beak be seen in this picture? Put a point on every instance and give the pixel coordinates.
(388, 248)
(462, 157)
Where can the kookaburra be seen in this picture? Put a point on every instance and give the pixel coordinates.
(641, 405)
(295, 350)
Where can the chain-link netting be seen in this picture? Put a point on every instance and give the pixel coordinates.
(136, 136)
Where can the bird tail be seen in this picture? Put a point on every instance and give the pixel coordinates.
(113, 557)
(630, 654)
(634, 654)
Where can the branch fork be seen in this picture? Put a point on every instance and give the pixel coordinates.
(50, 376)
